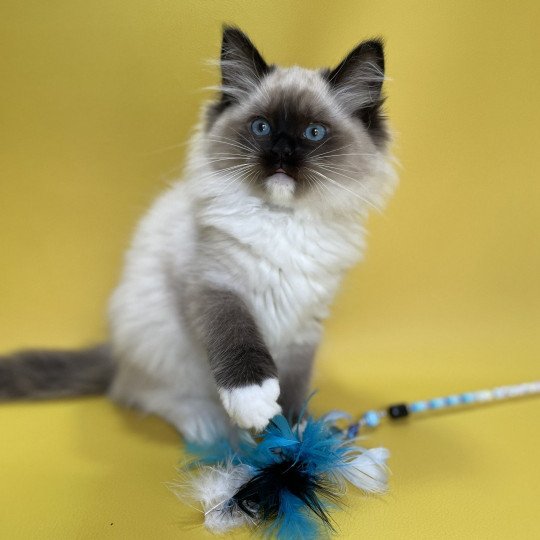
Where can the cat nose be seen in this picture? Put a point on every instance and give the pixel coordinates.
(283, 148)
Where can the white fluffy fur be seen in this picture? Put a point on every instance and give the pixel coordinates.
(285, 261)
(252, 406)
(281, 189)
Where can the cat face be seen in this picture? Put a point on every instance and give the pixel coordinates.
(295, 136)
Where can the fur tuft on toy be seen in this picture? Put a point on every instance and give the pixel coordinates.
(285, 480)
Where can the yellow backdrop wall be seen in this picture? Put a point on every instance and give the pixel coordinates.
(96, 100)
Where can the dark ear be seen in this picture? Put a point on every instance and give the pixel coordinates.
(357, 82)
(242, 66)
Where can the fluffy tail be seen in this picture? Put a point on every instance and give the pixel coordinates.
(48, 374)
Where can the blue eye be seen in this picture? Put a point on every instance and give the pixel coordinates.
(260, 127)
(315, 132)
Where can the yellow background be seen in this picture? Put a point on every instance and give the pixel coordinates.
(96, 99)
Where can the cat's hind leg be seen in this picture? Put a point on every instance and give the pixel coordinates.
(295, 366)
(198, 420)
(198, 416)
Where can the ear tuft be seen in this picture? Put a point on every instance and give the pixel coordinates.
(242, 66)
(357, 82)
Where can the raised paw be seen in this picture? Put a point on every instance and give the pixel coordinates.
(252, 406)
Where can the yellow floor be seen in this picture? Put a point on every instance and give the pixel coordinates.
(96, 98)
(86, 469)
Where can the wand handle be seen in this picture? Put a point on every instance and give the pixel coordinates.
(373, 418)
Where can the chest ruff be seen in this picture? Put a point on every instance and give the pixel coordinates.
(286, 268)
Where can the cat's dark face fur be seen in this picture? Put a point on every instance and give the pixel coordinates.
(295, 134)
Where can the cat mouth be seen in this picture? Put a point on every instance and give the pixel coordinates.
(283, 174)
(281, 177)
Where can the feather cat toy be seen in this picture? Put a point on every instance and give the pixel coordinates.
(288, 480)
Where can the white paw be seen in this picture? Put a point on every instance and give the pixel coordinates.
(252, 406)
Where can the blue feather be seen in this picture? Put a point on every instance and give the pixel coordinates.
(293, 521)
(219, 451)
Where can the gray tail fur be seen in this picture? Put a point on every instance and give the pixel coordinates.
(48, 374)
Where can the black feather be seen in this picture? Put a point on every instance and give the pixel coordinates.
(261, 496)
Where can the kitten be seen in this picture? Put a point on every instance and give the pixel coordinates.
(219, 311)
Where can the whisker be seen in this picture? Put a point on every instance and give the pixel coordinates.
(230, 179)
(334, 150)
(228, 139)
(338, 168)
(336, 155)
(239, 149)
(228, 169)
(336, 171)
(324, 187)
(228, 154)
(218, 159)
(345, 189)
(317, 183)
(319, 147)
(251, 176)
(355, 180)
(236, 176)
(248, 141)
(222, 140)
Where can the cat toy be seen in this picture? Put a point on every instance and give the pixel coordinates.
(286, 481)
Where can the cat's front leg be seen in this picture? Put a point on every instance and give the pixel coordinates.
(243, 369)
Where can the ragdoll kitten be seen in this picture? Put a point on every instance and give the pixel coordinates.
(219, 311)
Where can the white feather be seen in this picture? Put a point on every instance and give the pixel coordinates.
(368, 471)
(212, 488)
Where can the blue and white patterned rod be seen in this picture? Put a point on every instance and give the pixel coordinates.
(372, 418)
